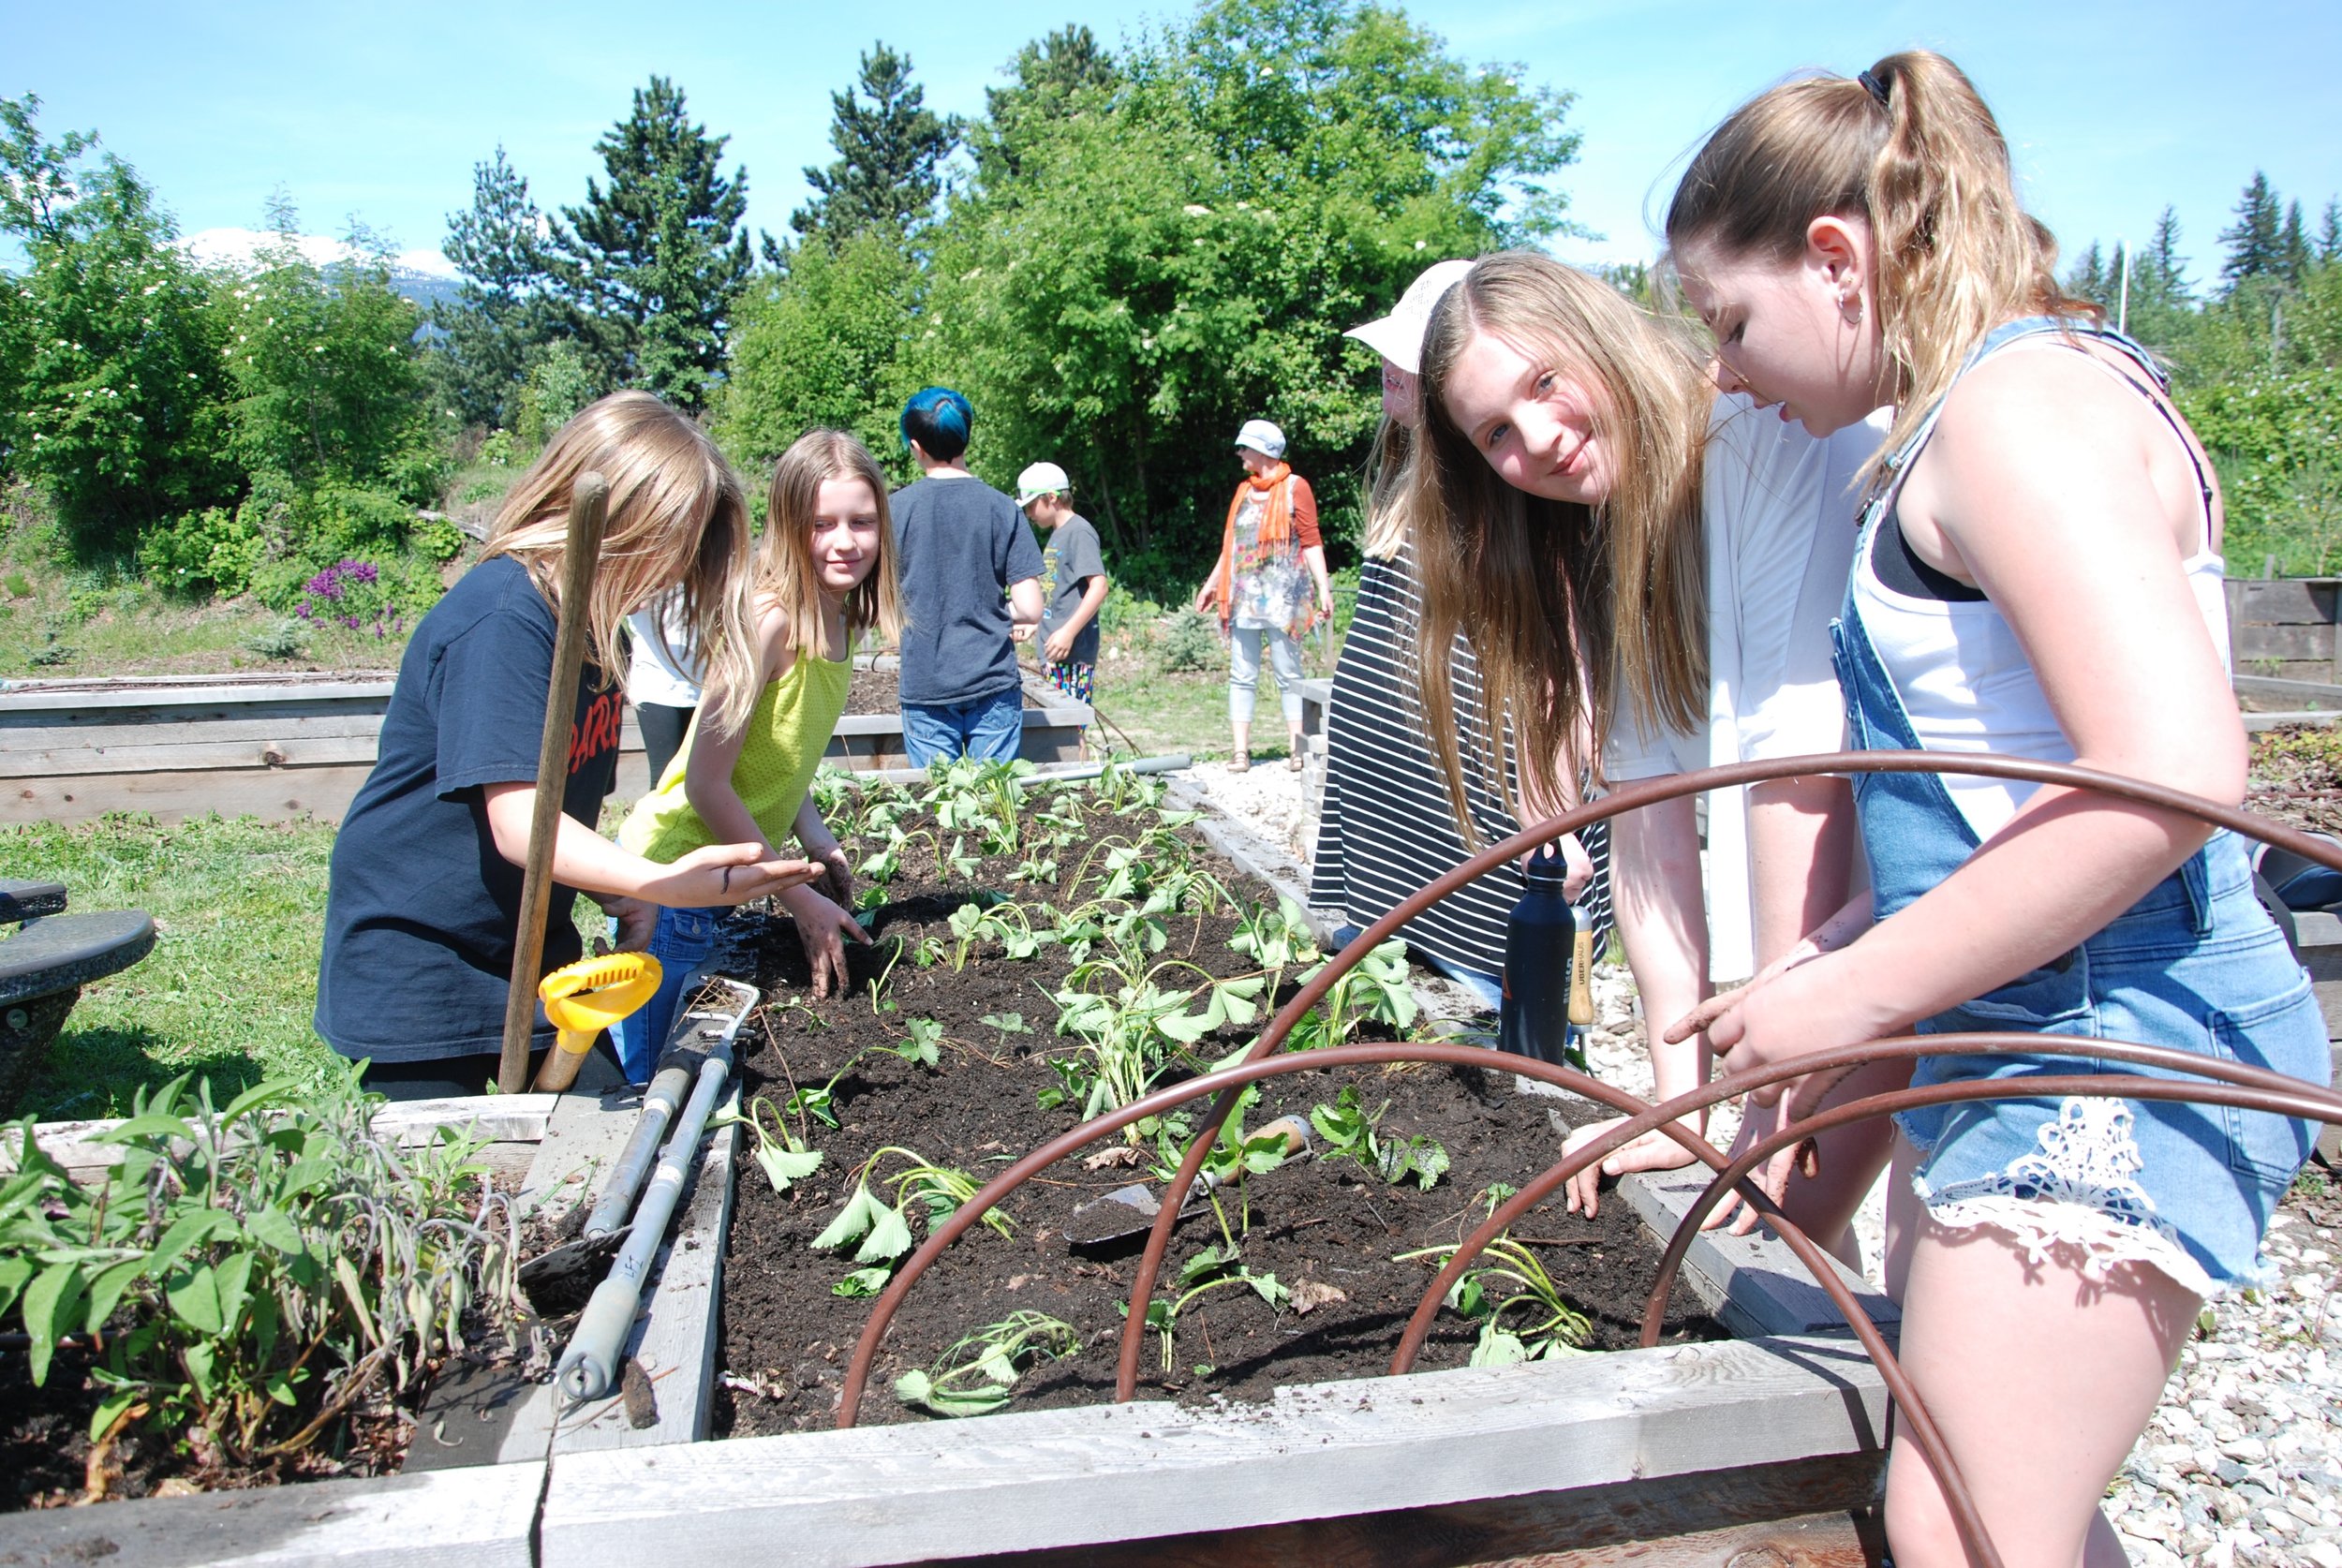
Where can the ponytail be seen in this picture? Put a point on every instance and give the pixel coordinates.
(1909, 148)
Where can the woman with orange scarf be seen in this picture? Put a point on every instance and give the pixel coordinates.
(1259, 585)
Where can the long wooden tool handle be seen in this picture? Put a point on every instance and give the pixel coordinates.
(588, 504)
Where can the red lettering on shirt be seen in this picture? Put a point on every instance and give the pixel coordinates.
(597, 733)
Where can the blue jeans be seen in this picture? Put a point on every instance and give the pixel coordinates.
(1284, 655)
(681, 942)
(990, 729)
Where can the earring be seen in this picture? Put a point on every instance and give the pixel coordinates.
(1850, 307)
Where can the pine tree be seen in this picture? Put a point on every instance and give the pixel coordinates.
(2087, 278)
(500, 311)
(2330, 233)
(650, 265)
(1051, 75)
(890, 149)
(2293, 253)
(2255, 241)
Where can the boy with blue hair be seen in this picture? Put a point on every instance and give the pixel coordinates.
(970, 578)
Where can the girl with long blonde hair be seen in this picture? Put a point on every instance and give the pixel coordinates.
(422, 901)
(824, 574)
(2037, 574)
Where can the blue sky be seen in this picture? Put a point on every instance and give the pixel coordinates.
(381, 111)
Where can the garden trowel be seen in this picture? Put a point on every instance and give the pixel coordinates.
(1128, 1210)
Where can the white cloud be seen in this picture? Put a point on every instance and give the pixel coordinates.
(238, 246)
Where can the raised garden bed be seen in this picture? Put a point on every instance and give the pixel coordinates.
(1709, 1447)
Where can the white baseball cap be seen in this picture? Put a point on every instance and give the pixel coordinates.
(1398, 337)
(1263, 437)
(1042, 479)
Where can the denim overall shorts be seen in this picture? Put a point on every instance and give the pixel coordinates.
(2196, 964)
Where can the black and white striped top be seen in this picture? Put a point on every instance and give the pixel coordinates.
(1387, 826)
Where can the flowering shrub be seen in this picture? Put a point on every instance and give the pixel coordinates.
(352, 594)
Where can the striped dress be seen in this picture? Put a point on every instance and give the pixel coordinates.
(1387, 826)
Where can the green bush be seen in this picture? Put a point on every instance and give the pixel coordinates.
(1191, 641)
(212, 551)
(248, 1272)
(437, 540)
(288, 639)
(560, 383)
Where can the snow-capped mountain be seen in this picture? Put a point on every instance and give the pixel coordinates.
(424, 277)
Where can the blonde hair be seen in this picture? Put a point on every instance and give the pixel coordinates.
(1927, 169)
(1387, 489)
(784, 565)
(1536, 586)
(678, 517)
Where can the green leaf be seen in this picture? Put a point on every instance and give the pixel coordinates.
(853, 1221)
(1268, 1289)
(280, 1387)
(998, 1364)
(134, 1128)
(1498, 1348)
(199, 1359)
(232, 1279)
(274, 1227)
(889, 1237)
(105, 1290)
(49, 1304)
(194, 1299)
(188, 1231)
(110, 1410)
(14, 1272)
(863, 1282)
(783, 1166)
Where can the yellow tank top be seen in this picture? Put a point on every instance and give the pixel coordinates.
(787, 730)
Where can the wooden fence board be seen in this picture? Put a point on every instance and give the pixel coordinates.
(1812, 1513)
(450, 1518)
(2251, 644)
(2281, 600)
(194, 752)
(1125, 1473)
(274, 794)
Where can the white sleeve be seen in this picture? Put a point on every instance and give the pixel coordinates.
(1781, 509)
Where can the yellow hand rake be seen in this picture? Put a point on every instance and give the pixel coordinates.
(585, 998)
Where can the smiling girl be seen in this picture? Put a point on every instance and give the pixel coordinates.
(2038, 574)
(825, 572)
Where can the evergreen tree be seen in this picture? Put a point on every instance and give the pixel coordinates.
(2254, 241)
(649, 266)
(2293, 253)
(502, 310)
(2087, 278)
(2330, 233)
(890, 149)
(1052, 75)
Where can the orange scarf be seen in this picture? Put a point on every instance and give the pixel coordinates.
(1276, 527)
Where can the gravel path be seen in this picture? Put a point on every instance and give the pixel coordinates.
(2242, 1463)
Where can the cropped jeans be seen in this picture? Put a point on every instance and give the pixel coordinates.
(1244, 645)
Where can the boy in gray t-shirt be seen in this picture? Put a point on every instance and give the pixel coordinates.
(1078, 580)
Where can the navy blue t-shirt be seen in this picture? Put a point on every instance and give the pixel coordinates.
(421, 910)
(960, 544)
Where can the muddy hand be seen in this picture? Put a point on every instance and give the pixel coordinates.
(1653, 1151)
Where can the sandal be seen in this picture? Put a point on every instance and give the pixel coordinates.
(1240, 762)
(1292, 762)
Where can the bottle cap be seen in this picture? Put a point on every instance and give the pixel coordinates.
(1547, 871)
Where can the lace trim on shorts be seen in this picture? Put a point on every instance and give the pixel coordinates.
(2074, 1193)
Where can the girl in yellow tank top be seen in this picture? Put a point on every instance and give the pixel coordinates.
(825, 572)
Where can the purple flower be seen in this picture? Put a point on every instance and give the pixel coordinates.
(364, 571)
(306, 611)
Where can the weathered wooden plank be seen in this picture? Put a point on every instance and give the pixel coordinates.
(1126, 1472)
(1256, 856)
(208, 693)
(34, 731)
(1754, 1283)
(274, 794)
(192, 751)
(2281, 600)
(2256, 722)
(2262, 692)
(1814, 1513)
(453, 1519)
(2311, 642)
(511, 1119)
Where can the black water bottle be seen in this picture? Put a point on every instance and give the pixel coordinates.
(1543, 953)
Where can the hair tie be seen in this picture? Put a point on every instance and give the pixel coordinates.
(1875, 87)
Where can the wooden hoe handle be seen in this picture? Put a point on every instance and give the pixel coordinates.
(588, 504)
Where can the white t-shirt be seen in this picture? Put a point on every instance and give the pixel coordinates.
(1778, 509)
(651, 675)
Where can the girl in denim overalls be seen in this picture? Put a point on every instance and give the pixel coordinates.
(2039, 575)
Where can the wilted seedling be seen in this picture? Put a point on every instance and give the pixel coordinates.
(1349, 1131)
(978, 1374)
(1216, 1268)
(784, 1157)
(863, 1282)
(883, 1229)
(1562, 1330)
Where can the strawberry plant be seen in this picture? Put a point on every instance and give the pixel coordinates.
(978, 1373)
(1349, 1131)
(1506, 1265)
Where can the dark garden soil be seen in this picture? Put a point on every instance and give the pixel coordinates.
(879, 691)
(1328, 1228)
(2297, 776)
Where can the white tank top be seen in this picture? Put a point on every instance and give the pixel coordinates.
(1963, 679)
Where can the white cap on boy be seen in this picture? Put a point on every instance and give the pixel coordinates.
(1398, 337)
(1042, 479)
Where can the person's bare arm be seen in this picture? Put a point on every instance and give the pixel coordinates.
(584, 860)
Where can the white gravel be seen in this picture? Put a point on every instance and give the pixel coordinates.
(2242, 1463)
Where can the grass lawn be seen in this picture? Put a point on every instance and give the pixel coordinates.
(238, 906)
